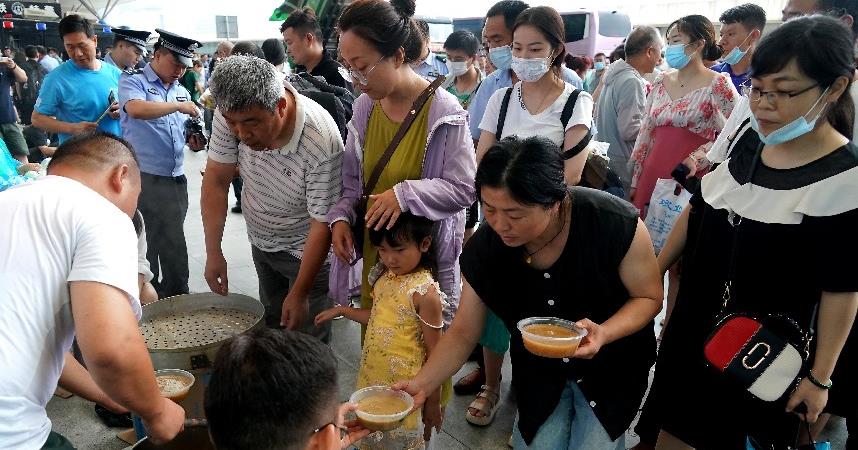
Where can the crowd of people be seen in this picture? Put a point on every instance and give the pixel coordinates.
(438, 201)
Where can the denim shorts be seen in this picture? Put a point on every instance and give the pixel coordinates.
(572, 426)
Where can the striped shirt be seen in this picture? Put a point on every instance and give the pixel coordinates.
(286, 187)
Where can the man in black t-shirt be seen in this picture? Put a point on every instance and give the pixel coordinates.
(303, 38)
(10, 73)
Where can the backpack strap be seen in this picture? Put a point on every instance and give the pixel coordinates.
(502, 114)
(569, 108)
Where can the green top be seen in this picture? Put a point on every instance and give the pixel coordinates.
(464, 98)
(405, 164)
(189, 80)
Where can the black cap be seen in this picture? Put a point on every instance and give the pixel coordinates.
(182, 47)
(138, 38)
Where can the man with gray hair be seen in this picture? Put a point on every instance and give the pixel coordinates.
(290, 152)
(622, 104)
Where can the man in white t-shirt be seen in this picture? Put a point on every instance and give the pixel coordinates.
(69, 269)
(290, 154)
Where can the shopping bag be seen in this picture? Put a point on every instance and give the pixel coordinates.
(668, 200)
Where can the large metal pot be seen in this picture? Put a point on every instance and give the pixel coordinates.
(192, 438)
(194, 358)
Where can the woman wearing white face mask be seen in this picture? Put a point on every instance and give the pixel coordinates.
(687, 109)
(536, 103)
(772, 232)
(464, 77)
(534, 108)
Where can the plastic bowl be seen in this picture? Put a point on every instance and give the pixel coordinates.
(551, 337)
(174, 384)
(380, 408)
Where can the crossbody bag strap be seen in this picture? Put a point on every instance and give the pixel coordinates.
(734, 138)
(735, 221)
(400, 134)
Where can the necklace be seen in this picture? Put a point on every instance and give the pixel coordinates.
(529, 255)
(541, 102)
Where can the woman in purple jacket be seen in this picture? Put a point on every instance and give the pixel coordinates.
(431, 174)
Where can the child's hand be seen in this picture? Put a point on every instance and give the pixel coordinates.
(328, 314)
(432, 416)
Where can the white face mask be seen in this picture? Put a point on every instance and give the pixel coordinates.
(457, 68)
(530, 69)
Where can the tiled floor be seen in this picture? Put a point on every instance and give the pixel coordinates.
(76, 419)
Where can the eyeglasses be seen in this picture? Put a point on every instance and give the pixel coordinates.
(361, 78)
(773, 97)
(343, 430)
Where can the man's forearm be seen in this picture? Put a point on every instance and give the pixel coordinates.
(145, 110)
(77, 380)
(20, 75)
(113, 347)
(315, 253)
(50, 124)
(213, 203)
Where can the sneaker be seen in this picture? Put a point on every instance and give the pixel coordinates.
(236, 209)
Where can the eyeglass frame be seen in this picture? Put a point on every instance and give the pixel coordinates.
(749, 90)
(344, 431)
(362, 78)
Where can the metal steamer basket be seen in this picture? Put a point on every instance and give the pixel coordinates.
(190, 330)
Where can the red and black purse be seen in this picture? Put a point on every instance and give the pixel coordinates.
(764, 353)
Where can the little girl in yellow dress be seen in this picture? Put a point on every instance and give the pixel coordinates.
(403, 326)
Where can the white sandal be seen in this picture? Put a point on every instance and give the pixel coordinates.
(486, 394)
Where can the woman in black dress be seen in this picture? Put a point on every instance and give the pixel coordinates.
(793, 181)
(573, 253)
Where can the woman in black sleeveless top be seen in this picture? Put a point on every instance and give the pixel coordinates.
(573, 253)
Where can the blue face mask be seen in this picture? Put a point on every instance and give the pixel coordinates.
(501, 57)
(736, 54)
(793, 130)
(675, 56)
(599, 65)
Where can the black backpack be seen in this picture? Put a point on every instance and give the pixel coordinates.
(596, 173)
(35, 76)
(336, 100)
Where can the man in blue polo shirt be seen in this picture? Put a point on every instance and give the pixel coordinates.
(154, 108)
(75, 95)
(741, 29)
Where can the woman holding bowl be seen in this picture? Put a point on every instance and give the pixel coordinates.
(542, 255)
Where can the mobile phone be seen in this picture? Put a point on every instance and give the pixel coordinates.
(4, 59)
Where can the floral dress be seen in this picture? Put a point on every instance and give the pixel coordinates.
(393, 349)
(673, 130)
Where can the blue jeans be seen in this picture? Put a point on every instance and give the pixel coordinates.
(570, 429)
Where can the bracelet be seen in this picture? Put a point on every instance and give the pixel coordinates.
(817, 383)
